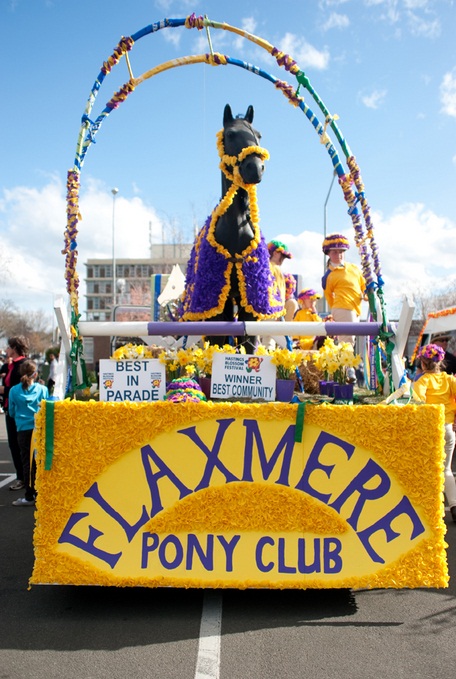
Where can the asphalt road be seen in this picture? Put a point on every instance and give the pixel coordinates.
(94, 633)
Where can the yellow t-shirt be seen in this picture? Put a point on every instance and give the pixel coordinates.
(344, 287)
(437, 388)
(306, 315)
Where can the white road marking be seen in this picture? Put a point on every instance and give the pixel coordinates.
(208, 661)
(9, 479)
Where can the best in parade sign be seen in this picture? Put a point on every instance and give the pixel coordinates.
(241, 376)
(132, 380)
(239, 495)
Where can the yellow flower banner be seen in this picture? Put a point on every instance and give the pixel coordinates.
(222, 495)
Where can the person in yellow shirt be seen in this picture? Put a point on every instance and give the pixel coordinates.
(343, 283)
(438, 387)
(278, 253)
(307, 312)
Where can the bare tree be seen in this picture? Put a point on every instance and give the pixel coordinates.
(34, 325)
(427, 301)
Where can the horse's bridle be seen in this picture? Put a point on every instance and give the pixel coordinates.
(235, 161)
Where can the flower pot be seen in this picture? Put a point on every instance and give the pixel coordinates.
(343, 394)
(205, 384)
(327, 387)
(284, 390)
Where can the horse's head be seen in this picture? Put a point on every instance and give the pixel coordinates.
(238, 134)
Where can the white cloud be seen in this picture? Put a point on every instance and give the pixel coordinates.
(448, 93)
(336, 20)
(32, 224)
(172, 36)
(374, 99)
(332, 3)
(417, 251)
(423, 28)
(417, 247)
(305, 54)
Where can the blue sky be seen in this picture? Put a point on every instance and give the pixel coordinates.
(387, 68)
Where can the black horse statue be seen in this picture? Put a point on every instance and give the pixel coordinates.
(228, 274)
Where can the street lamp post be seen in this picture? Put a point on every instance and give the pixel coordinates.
(324, 229)
(114, 282)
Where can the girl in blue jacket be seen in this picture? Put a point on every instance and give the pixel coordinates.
(23, 402)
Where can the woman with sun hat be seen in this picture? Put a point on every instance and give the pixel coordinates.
(438, 387)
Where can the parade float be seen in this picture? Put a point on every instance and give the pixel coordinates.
(164, 482)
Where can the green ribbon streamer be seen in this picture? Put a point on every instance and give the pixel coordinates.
(76, 357)
(299, 427)
(49, 435)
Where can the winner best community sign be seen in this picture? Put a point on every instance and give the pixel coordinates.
(243, 376)
(136, 380)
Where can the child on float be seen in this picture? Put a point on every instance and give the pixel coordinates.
(343, 283)
(307, 300)
(438, 387)
(23, 403)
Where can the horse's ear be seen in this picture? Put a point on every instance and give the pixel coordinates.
(227, 115)
(249, 115)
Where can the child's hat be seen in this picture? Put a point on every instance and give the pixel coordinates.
(309, 293)
(335, 241)
(277, 245)
(432, 352)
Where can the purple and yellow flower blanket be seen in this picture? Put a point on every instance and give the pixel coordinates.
(208, 281)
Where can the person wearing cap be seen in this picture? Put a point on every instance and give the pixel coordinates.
(449, 363)
(278, 253)
(435, 386)
(307, 312)
(343, 283)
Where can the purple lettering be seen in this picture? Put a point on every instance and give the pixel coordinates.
(314, 567)
(332, 563)
(149, 544)
(314, 464)
(282, 567)
(193, 545)
(179, 552)
(130, 530)
(211, 454)
(228, 546)
(286, 444)
(148, 453)
(384, 524)
(262, 542)
(357, 485)
(89, 546)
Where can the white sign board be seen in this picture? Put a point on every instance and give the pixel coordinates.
(243, 376)
(136, 380)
